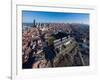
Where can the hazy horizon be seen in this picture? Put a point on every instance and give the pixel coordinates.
(54, 17)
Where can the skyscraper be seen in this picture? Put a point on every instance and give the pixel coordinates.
(34, 23)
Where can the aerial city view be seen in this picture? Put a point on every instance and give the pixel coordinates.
(54, 39)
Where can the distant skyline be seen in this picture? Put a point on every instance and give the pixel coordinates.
(54, 17)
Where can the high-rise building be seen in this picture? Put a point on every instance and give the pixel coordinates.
(34, 23)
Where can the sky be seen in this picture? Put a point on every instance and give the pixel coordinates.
(54, 17)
